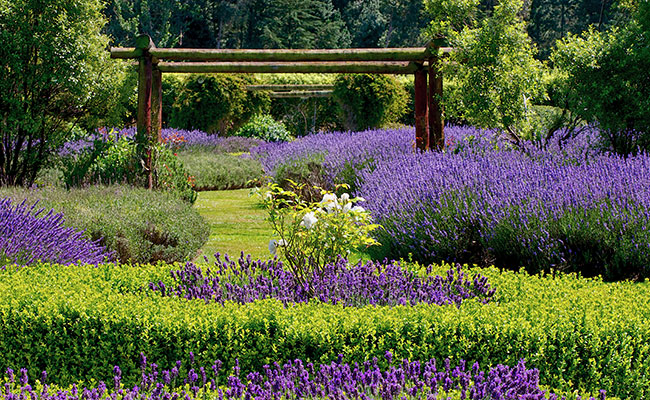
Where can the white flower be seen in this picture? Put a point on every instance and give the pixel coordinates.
(347, 207)
(268, 196)
(308, 220)
(274, 244)
(345, 197)
(330, 202)
(358, 209)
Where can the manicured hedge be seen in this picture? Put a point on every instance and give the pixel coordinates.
(79, 321)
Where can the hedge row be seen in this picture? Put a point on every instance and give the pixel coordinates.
(80, 321)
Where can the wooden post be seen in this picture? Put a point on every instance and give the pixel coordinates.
(421, 111)
(156, 105)
(145, 85)
(436, 119)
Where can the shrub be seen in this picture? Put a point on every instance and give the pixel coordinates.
(479, 202)
(29, 234)
(217, 171)
(581, 334)
(113, 158)
(324, 158)
(264, 127)
(216, 103)
(313, 234)
(369, 100)
(138, 225)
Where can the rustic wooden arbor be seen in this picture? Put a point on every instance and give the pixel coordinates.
(421, 62)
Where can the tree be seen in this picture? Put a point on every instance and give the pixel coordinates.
(385, 23)
(494, 67)
(55, 72)
(606, 78)
(162, 20)
(296, 24)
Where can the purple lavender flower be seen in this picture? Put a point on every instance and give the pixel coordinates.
(28, 234)
(376, 283)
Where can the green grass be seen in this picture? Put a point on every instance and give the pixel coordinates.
(236, 224)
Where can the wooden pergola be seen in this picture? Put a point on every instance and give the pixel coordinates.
(422, 62)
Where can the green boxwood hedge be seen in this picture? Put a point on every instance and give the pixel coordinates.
(80, 321)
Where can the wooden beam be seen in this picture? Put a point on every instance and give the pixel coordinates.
(125, 52)
(421, 110)
(289, 55)
(293, 67)
(242, 55)
(302, 93)
(277, 88)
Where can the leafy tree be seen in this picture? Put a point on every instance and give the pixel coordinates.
(55, 73)
(162, 20)
(298, 24)
(551, 20)
(606, 78)
(385, 23)
(496, 73)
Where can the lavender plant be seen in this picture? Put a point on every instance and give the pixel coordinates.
(29, 234)
(303, 380)
(375, 283)
(564, 203)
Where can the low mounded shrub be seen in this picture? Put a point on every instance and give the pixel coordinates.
(138, 225)
(29, 233)
(387, 283)
(78, 322)
(220, 171)
(264, 127)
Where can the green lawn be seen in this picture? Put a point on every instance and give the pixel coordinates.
(236, 224)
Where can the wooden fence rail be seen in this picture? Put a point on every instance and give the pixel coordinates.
(420, 61)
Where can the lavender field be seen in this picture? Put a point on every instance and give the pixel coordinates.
(568, 205)
(366, 330)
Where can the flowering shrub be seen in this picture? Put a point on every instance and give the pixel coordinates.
(28, 234)
(311, 235)
(298, 379)
(387, 283)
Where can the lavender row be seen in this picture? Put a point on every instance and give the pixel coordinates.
(516, 210)
(300, 380)
(28, 234)
(376, 283)
(175, 138)
(365, 150)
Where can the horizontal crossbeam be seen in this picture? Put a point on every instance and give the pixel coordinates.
(278, 88)
(302, 93)
(279, 55)
(290, 67)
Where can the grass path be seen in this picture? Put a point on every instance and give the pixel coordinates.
(236, 224)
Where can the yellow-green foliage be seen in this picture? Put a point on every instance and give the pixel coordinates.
(369, 101)
(80, 321)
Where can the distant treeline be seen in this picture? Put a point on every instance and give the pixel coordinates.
(322, 23)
